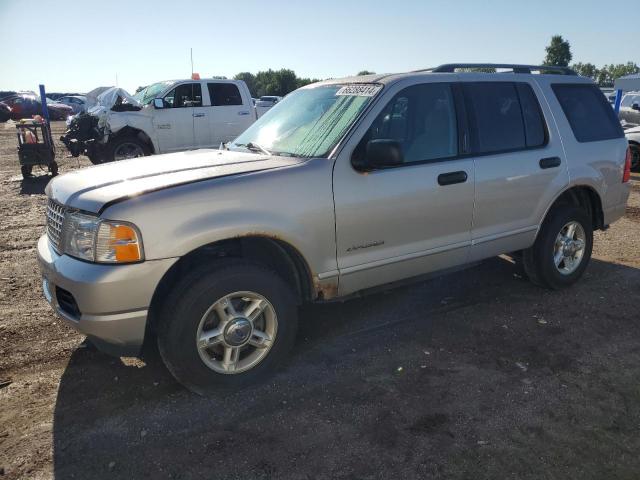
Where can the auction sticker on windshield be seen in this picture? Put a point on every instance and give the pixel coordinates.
(359, 90)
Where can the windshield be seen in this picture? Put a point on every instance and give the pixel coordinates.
(309, 122)
(147, 94)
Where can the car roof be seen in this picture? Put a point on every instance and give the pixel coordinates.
(453, 69)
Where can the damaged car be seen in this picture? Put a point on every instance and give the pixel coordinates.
(169, 116)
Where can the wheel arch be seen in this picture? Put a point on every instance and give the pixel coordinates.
(274, 253)
(134, 132)
(583, 196)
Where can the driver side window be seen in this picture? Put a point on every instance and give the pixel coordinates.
(422, 119)
(184, 96)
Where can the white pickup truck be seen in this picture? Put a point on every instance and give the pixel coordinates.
(164, 117)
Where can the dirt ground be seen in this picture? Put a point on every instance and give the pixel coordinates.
(475, 375)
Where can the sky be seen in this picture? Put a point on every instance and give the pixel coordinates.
(77, 45)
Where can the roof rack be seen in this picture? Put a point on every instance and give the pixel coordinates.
(452, 67)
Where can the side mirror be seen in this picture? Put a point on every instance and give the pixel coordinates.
(158, 103)
(383, 153)
(636, 107)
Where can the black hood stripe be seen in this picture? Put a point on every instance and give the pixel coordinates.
(188, 182)
(77, 194)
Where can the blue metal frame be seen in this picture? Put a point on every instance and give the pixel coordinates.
(43, 102)
(616, 106)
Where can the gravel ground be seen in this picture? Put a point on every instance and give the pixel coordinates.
(477, 375)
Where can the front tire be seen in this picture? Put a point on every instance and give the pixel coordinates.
(562, 250)
(226, 325)
(126, 147)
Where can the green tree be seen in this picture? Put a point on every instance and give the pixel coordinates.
(248, 78)
(365, 72)
(558, 52)
(586, 70)
(306, 81)
(608, 74)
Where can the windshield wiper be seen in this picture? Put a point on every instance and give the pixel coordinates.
(254, 147)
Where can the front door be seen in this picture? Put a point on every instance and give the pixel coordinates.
(399, 222)
(174, 123)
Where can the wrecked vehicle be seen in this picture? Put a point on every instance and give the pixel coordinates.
(169, 116)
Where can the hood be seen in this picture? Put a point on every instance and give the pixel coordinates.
(109, 97)
(90, 189)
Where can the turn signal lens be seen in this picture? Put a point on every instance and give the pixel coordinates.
(118, 243)
(627, 166)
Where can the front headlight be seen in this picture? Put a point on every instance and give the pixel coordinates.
(102, 241)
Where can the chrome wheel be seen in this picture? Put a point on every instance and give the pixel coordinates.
(127, 150)
(236, 332)
(569, 248)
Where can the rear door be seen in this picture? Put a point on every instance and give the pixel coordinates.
(174, 123)
(399, 222)
(229, 114)
(519, 163)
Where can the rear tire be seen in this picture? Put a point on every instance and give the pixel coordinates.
(197, 298)
(53, 168)
(541, 260)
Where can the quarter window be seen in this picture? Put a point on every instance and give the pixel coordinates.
(591, 117)
(422, 118)
(184, 96)
(223, 94)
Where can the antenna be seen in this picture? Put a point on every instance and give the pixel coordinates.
(191, 61)
(117, 80)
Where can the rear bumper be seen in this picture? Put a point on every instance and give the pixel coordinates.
(614, 213)
(107, 303)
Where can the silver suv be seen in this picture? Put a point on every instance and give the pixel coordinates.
(343, 186)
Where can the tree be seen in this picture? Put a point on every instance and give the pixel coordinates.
(586, 70)
(248, 78)
(365, 72)
(558, 52)
(608, 74)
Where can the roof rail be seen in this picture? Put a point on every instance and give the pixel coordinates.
(452, 67)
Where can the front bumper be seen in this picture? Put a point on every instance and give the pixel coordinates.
(112, 300)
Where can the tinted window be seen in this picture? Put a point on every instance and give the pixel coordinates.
(422, 119)
(591, 117)
(496, 118)
(534, 127)
(185, 95)
(224, 94)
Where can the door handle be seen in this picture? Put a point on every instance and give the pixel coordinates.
(243, 113)
(197, 115)
(550, 162)
(452, 177)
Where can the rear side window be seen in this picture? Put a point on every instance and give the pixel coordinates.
(223, 94)
(591, 117)
(504, 116)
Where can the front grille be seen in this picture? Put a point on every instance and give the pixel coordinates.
(55, 220)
